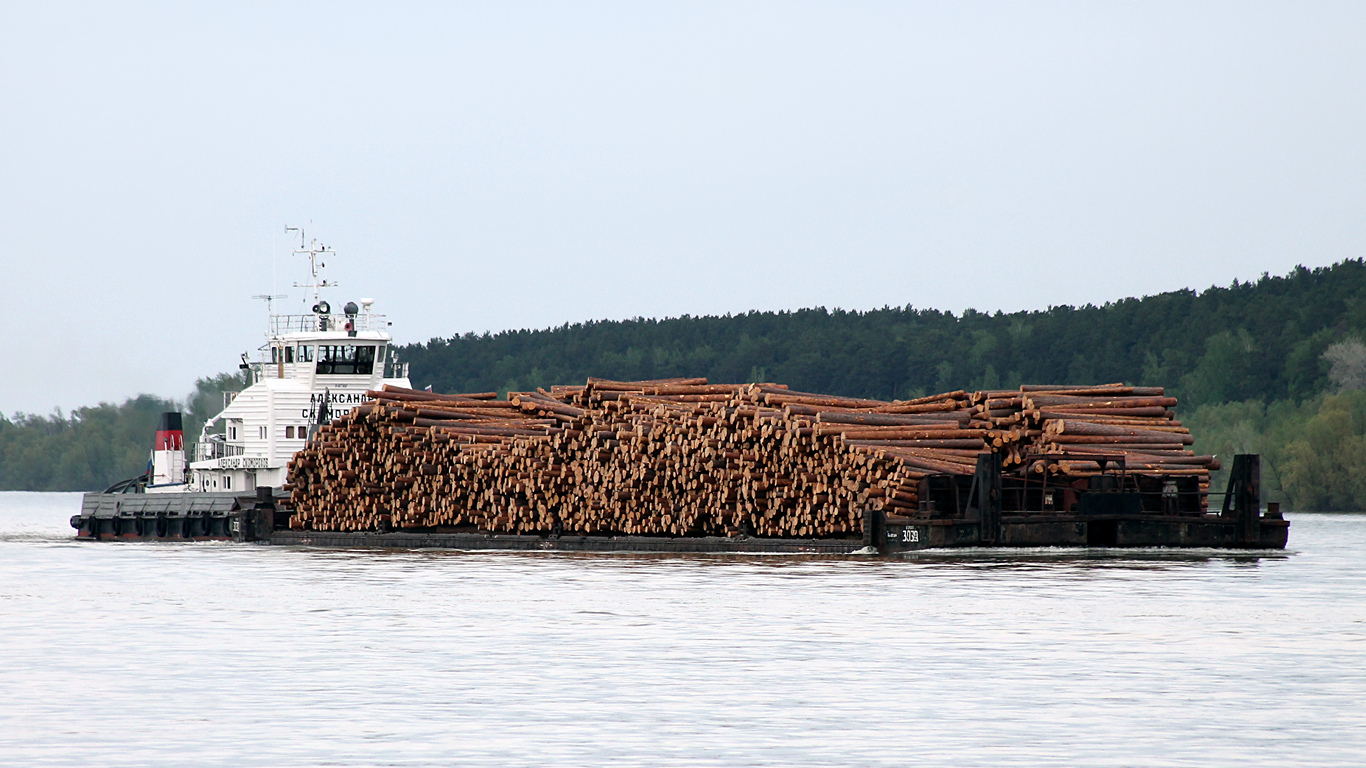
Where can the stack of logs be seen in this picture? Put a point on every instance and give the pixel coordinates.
(682, 457)
(1137, 422)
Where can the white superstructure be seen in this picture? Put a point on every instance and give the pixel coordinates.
(324, 356)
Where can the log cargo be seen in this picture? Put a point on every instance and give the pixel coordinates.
(684, 457)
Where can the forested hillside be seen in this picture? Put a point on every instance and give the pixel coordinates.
(1251, 340)
(1275, 367)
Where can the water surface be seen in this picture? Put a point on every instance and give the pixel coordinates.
(244, 655)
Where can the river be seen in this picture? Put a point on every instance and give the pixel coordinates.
(219, 654)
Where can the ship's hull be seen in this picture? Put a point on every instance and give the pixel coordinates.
(234, 517)
(970, 516)
(891, 538)
(174, 516)
(1124, 531)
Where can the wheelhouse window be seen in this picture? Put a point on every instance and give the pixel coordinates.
(346, 359)
(291, 354)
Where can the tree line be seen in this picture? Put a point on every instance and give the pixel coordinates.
(1264, 339)
(93, 447)
(1266, 364)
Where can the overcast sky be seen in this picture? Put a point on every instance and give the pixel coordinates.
(512, 165)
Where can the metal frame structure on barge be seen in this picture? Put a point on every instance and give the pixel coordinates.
(988, 509)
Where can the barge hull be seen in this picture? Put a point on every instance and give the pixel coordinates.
(1104, 519)
(1211, 532)
(897, 538)
(249, 522)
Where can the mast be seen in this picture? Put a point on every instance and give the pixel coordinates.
(313, 251)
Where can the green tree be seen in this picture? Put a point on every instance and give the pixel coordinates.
(1225, 372)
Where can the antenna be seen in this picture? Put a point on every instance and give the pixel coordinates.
(313, 250)
(269, 299)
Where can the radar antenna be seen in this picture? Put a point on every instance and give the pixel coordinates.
(313, 250)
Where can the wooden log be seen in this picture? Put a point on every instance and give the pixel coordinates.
(1097, 389)
(855, 432)
(403, 399)
(486, 429)
(799, 410)
(1062, 412)
(1210, 462)
(1088, 403)
(632, 386)
(779, 399)
(692, 389)
(1046, 446)
(957, 394)
(874, 419)
(976, 444)
(942, 430)
(923, 408)
(1064, 428)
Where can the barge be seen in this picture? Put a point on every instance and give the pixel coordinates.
(992, 508)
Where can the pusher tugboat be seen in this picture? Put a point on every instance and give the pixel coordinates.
(311, 366)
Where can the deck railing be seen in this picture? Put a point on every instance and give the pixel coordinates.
(206, 450)
(282, 324)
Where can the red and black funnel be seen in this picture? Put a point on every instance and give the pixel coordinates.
(170, 433)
